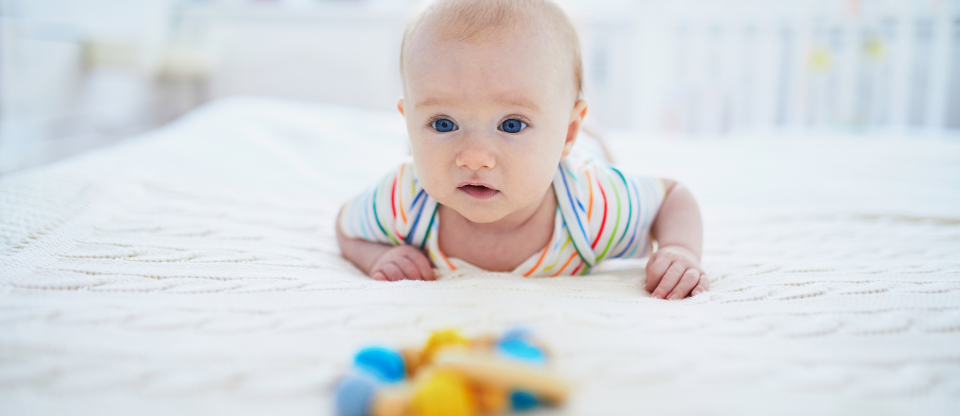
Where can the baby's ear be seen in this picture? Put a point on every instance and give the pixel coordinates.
(573, 129)
(400, 106)
(581, 107)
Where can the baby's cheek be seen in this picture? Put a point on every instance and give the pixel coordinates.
(426, 171)
(536, 177)
(433, 173)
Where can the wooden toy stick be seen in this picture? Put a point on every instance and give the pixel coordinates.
(509, 374)
(392, 401)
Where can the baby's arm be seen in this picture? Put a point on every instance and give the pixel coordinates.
(674, 269)
(383, 262)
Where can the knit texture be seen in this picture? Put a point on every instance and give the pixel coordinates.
(194, 270)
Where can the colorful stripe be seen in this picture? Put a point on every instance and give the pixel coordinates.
(416, 220)
(626, 187)
(393, 199)
(403, 214)
(539, 260)
(616, 224)
(560, 251)
(590, 204)
(379, 224)
(565, 265)
(604, 221)
(633, 235)
(567, 209)
(430, 227)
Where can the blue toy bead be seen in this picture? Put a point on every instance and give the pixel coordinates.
(519, 348)
(354, 396)
(523, 400)
(383, 363)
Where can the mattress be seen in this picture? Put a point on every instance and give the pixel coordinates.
(193, 270)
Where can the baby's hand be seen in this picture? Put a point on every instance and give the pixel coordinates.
(402, 262)
(674, 271)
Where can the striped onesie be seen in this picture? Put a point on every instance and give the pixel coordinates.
(601, 214)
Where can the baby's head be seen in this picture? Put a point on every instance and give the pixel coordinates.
(491, 98)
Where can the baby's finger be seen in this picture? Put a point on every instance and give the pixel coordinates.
(655, 271)
(392, 271)
(378, 275)
(410, 270)
(702, 286)
(426, 271)
(690, 279)
(669, 281)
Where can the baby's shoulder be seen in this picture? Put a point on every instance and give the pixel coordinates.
(397, 189)
(607, 212)
(587, 173)
(401, 175)
(394, 210)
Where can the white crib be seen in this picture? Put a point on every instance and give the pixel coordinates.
(708, 68)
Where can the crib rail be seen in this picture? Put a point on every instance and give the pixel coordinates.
(713, 68)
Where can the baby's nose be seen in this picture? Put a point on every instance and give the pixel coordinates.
(476, 154)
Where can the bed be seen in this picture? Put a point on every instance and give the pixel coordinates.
(193, 270)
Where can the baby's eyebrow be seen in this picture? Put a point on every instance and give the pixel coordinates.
(519, 102)
(510, 101)
(429, 102)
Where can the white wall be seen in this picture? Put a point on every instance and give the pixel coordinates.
(74, 68)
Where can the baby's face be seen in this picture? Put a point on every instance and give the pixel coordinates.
(488, 122)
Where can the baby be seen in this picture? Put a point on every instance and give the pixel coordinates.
(491, 97)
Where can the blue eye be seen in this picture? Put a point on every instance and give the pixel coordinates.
(443, 125)
(512, 126)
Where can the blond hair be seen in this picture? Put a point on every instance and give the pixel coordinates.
(492, 20)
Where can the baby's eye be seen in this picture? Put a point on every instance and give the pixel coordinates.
(443, 125)
(512, 125)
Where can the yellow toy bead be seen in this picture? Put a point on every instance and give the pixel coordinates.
(438, 341)
(445, 393)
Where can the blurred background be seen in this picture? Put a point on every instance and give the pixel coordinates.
(80, 74)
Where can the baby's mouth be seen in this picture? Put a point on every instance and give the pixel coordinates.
(478, 191)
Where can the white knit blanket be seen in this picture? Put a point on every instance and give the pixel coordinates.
(193, 270)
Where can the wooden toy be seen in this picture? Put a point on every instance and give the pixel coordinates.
(505, 373)
(452, 375)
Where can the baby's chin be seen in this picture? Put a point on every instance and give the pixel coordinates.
(479, 214)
